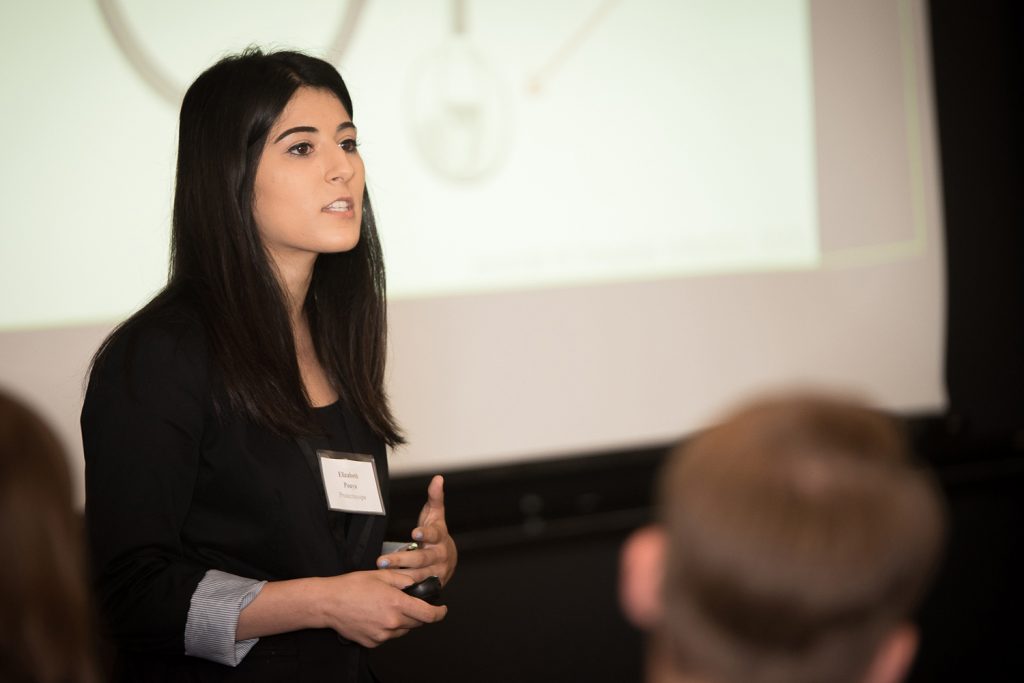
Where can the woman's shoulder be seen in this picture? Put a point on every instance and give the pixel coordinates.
(167, 336)
(155, 363)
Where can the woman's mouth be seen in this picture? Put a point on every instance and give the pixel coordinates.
(338, 206)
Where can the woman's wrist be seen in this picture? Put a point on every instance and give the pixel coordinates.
(314, 596)
(284, 606)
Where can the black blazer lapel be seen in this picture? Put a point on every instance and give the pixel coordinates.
(366, 527)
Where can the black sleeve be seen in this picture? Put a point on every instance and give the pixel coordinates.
(142, 427)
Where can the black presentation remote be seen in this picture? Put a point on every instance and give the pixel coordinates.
(429, 590)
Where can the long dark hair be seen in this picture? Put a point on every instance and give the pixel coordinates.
(219, 265)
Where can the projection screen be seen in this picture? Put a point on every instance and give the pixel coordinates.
(603, 220)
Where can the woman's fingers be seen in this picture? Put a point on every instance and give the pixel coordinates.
(437, 555)
(412, 559)
(433, 509)
(370, 608)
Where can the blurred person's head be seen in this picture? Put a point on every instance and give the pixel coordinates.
(792, 543)
(45, 617)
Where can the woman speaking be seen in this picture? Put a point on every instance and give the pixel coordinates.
(235, 428)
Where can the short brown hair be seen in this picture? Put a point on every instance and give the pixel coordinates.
(800, 533)
(45, 615)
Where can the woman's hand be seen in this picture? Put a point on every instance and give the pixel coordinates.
(437, 555)
(366, 607)
(370, 608)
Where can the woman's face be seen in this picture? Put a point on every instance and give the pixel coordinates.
(308, 194)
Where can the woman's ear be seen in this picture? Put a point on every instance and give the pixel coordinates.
(641, 568)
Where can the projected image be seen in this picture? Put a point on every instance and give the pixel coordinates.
(509, 147)
(602, 219)
(128, 28)
(458, 106)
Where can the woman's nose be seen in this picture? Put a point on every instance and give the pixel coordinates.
(341, 167)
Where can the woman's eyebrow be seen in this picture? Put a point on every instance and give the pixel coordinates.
(312, 129)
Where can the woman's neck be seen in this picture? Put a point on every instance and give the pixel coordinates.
(295, 275)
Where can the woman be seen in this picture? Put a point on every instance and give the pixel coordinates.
(218, 416)
(46, 620)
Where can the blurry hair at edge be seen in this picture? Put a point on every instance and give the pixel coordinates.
(46, 623)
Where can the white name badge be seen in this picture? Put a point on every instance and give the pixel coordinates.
(350, 482)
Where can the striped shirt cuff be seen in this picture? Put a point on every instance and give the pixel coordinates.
(213, 617)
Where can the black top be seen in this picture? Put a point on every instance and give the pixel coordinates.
(175, 488)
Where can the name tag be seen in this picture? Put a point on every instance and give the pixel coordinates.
(350, 482)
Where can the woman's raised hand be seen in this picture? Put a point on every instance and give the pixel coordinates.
(437, 555)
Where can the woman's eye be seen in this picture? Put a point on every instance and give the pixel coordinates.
(348, 144)
(301, 149)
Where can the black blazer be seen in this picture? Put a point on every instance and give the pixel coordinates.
(174, 489)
